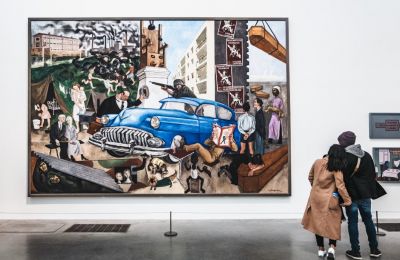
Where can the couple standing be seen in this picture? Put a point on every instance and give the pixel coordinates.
(65, 136)
(347, 172)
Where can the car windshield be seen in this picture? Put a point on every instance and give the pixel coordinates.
(179, 106)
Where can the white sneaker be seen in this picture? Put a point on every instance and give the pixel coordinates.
(321, 253)
(331, 254)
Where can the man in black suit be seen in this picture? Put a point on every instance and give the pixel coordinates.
(117, 103)
(57, 137)
(260, 126)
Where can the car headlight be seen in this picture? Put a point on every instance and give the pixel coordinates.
(155, 122)
(105, 119)
(155, 142)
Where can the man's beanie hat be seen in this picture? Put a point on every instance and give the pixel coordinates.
(347, 138)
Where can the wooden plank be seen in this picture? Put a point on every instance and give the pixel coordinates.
(263, 40)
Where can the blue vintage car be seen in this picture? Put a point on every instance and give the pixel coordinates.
(152, 131)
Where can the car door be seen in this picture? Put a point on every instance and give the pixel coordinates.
(178, 118)
(207, 115)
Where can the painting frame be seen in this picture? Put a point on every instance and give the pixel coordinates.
(387, 162)
(389, 129)
(30, 162)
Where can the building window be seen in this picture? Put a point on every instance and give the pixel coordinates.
(192, 75)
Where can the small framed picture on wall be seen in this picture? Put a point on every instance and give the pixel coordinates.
(384, 125)
(387, 163)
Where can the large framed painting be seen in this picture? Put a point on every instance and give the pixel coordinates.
(387, 163)
(140, 107)
(384, 125)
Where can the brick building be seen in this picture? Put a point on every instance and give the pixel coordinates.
(49, 46)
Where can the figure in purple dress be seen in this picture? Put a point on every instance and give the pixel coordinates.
(275, 125)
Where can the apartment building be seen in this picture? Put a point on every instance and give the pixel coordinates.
(196, 67)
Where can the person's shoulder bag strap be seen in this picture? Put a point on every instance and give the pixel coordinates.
(357, 166)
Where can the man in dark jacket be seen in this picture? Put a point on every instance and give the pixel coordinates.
(117, 103)
(260, 126)
(359, 177)
(57, 136)
(180, 90)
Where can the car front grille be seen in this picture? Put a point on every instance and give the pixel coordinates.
(126, 135)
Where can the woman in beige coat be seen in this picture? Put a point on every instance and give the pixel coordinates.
(323, 213)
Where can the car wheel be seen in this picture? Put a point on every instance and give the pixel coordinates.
(117, 154)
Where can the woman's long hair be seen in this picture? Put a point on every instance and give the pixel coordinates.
(336, 158)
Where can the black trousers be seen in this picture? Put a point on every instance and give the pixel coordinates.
(237, 160)
(320, 241)
(64, 151)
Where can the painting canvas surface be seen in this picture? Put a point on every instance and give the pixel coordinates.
(127, 107)
(387, 164)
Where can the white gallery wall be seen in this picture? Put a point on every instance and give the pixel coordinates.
(344, 63)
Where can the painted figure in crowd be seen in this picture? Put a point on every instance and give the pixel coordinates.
(275, 125)
(130, 74)
(247, 127)
(194, 172)
(78, 96)
(255, 164)
(119, 178)
(157, 166)
(260, 126)
(136, 169)
(179, 90)
(57, 136)
(117, 103)
(71, 135)
(108, 84)
(44, 115)
(214, 152)
(127, 176)
(89, 79)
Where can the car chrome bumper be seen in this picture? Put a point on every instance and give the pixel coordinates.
(128, 140)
